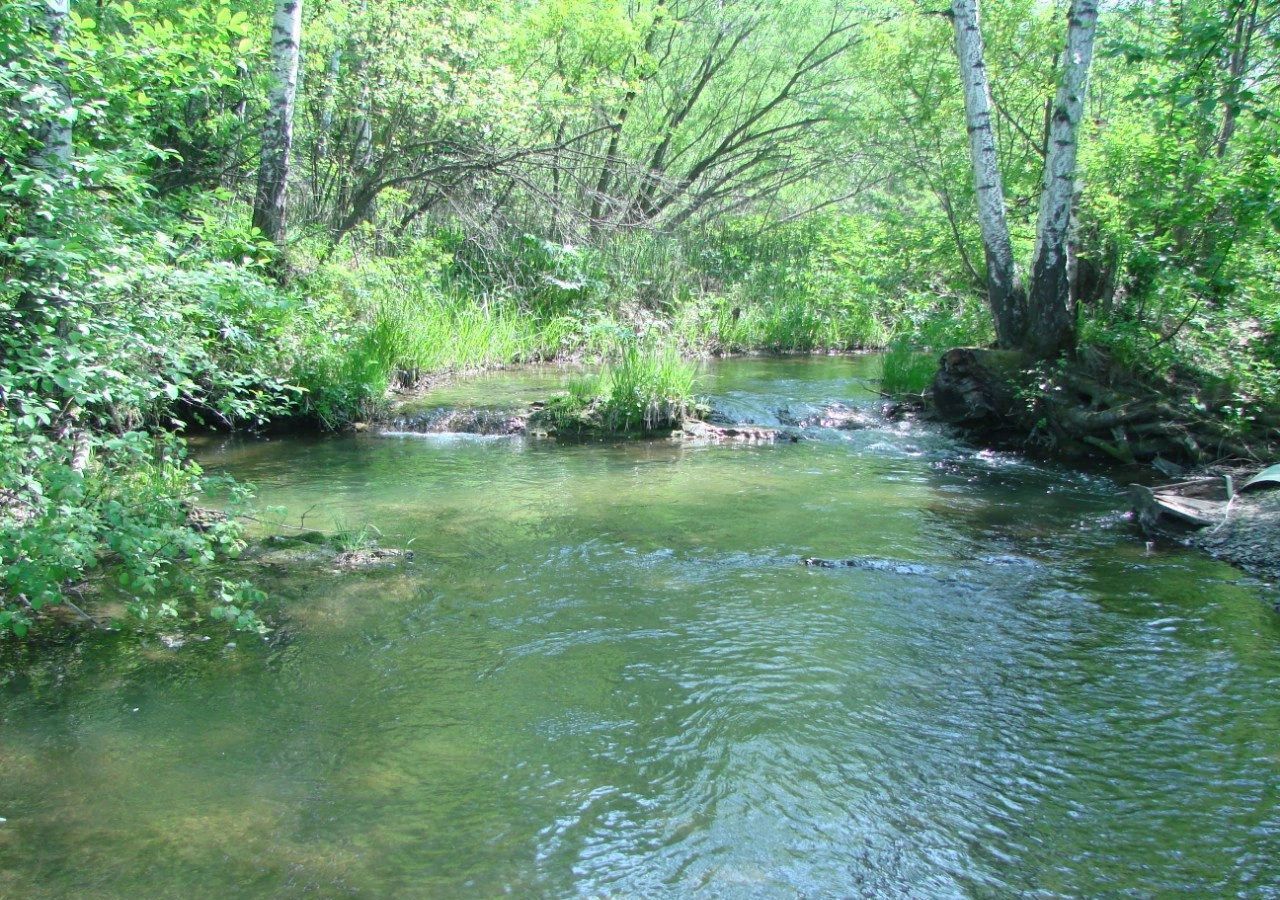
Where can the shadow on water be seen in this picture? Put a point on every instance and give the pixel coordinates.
(607, 673)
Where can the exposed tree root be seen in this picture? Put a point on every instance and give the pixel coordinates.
(1089, 405)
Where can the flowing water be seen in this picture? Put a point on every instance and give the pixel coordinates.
(607, 673)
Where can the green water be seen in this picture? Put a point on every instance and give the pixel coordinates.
(606, 673)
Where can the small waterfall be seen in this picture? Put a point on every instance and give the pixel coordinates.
(472, 420)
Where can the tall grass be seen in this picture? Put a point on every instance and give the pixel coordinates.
(644, 386)
(402, 336)
(782, 325)
(911, 358)
(417, 334)
(648, 386)
(907, 370)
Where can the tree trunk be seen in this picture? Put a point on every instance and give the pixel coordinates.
(1237, 67)
(333, 71)
(1051, 328)
(277, 132)
(1005, 292)
(54, 152)
(51, 155)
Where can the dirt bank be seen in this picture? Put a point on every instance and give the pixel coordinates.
(1248, 536)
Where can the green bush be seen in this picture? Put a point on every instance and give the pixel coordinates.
(69, 507)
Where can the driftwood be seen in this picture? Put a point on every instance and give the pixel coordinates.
(1198, 502)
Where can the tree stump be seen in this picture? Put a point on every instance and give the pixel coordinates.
(976, 387)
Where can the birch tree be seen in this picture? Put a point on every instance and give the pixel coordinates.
(1005, 291)
(269, 206)
(53, 152)
(1052, 306)
(1042, 323)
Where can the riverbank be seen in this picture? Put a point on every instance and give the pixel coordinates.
(1091, 410)
(1248, 536)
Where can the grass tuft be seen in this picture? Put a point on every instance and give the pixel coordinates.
(645, 385)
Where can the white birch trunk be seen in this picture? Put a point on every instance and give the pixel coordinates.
(54, 152)
(1052, 326)
(277, 133)
(1004, 288)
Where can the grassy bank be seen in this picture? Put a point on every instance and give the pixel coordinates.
(364, 323)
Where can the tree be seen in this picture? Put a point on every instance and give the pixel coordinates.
(269, 206)
(1005, 291)
(1051, 325)
(1043, 321)
(53, 150)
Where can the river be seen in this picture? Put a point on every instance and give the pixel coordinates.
(607, 672)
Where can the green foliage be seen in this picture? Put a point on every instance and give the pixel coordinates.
(645, 385)
(236, 604)
(119, 324)
(125, 499)
(937, 324)
(348, 537)
(907, 371)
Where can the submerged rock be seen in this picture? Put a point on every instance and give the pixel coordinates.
(371, 556)
(302, 555)
(694, 430)
(874, 563)
(837, 416)
(478, 420)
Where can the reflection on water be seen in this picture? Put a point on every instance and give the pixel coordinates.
(607, 674)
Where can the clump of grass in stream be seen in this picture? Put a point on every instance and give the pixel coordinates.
(907, 370)
(348, 538)
(644, 386)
